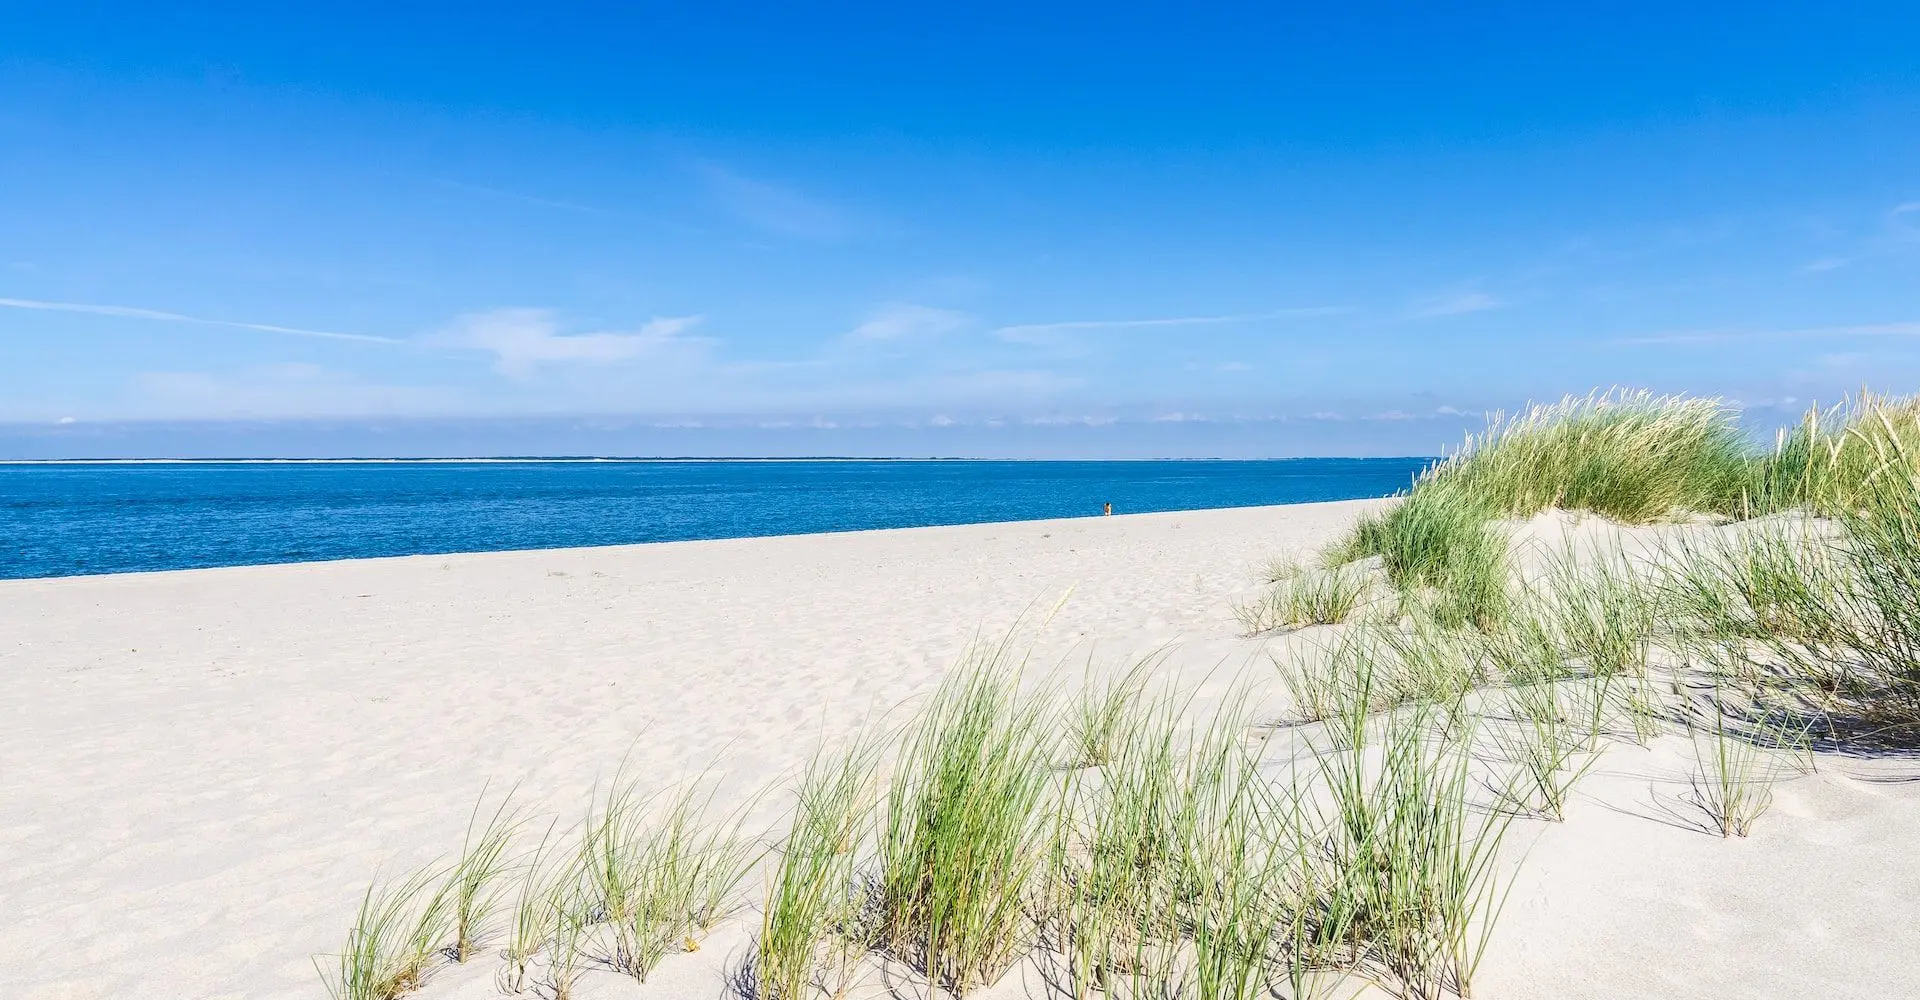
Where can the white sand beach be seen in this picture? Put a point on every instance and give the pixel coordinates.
(200, 771)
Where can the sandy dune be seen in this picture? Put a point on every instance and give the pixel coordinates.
(199, 771)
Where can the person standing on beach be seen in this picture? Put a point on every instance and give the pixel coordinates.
(1109, 508)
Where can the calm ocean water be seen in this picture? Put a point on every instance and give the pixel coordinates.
(62, 520)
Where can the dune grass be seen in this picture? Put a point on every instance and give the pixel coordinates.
(475, 883)
(1413, 887)
(1827, 603)
(1433, 661)
(1371, 669)
(1739, 754)
(1834, 610)
(1526, 646)
(1232, 848)
(570, 924)
(1191, 872)
(1111, 879)
(530, 922)
(613, 861)
(1834, 458)
(659, 871)
(1312, 597)
(965, 823)
(1178, 867)
(394, 939)
(1317, 683)
(1601, 610)
(1440, 546)
(1880, 607)
(1551, 743)
(1163, 882)
(1280, 567)
(1357, 674)
(1101, 711)
(1771, 583)
(1638, 458)
(809, 895)
(1631, 456)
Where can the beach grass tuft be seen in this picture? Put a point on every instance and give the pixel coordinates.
(1412, 886)
(1739, 756)
(1880, 606)
(530, 924)
(1601, 610)
(1631, 456)
(394, 939)
(1233, 848)
(1280, 567)
(1440, 547)
(476, 880)
(660, 869)
(1315, 597)
(964, 826)
(810, 895)
(1101, 711)
(570, 921)
(1547, 743)
(1110, 874)
(1834, 459)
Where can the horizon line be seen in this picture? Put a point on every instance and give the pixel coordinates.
(636, 459)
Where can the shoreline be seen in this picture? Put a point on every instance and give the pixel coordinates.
(463, 553)
(683, 459)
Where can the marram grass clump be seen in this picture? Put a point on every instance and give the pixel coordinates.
(964, 826)
(394, 939)
(1441, 547)
(659, 871)
(1330, 596)
(810, 904)
(1833, 460)
(1631, 456)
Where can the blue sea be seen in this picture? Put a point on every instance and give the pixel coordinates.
(69, 519)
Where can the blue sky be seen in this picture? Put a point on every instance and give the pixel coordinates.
(1085, 231)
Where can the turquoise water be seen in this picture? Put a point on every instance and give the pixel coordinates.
(63, 520)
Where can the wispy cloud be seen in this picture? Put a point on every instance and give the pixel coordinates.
(1455, 305)
(1898, 233)
(128, 312)
(524, 340)
(1901, 220)
(1806, 333)
(1040, 332)
(904, 320)
(772, 207)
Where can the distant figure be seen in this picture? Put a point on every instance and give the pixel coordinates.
(1109, 508)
